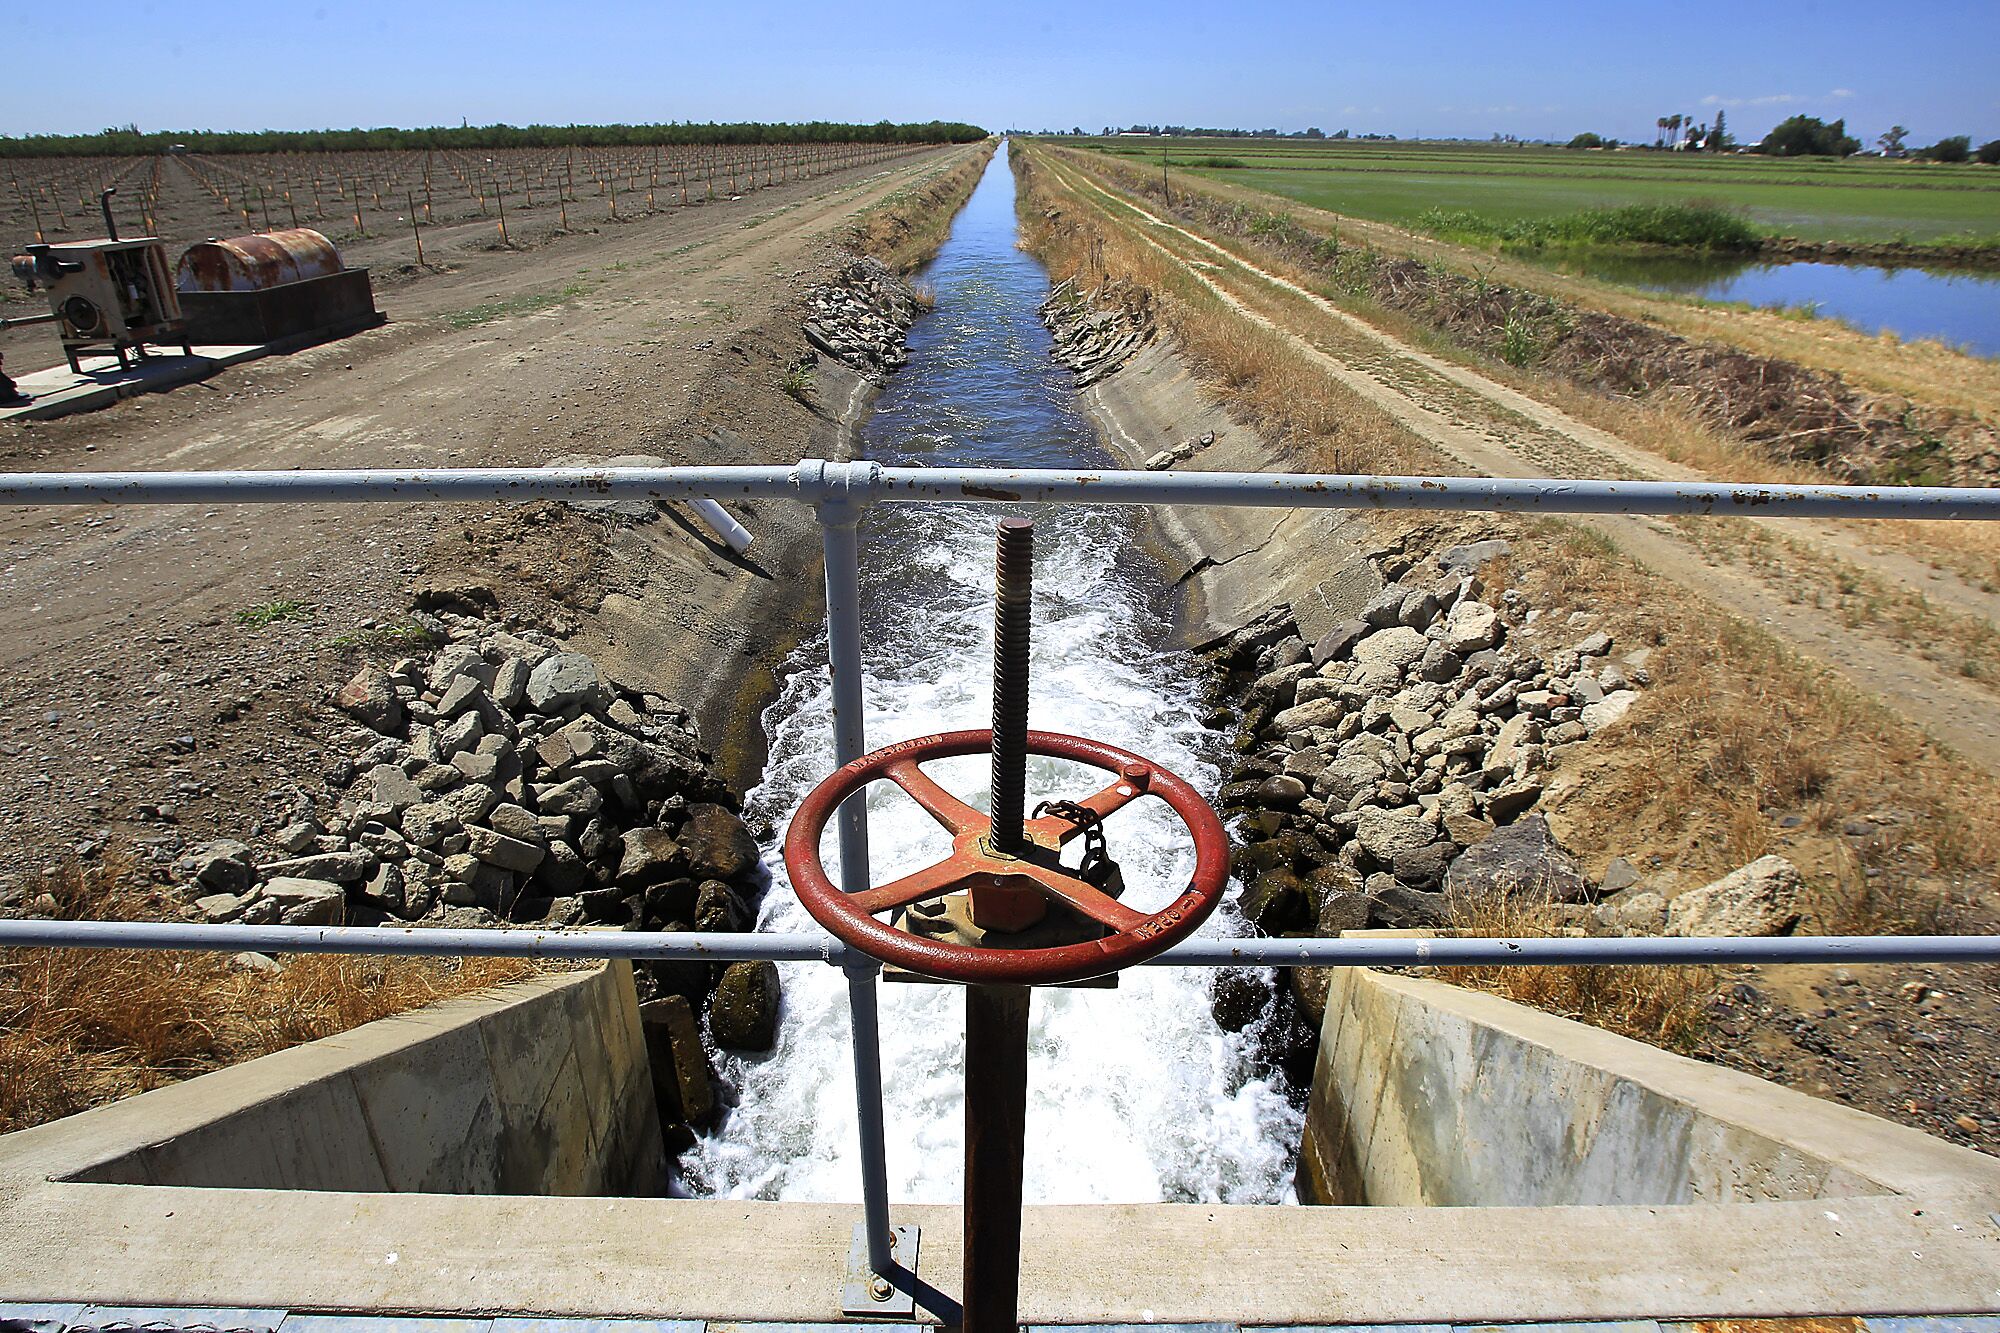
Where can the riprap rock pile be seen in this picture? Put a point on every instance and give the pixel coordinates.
(1099, 330)
(862, 318)
(1376, 756)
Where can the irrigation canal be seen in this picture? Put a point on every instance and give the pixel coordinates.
(1136, 1094)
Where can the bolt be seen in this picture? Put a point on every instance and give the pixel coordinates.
(879, 1288)
(1013, 605)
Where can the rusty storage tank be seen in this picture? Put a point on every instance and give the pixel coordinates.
(280, 286)
(252, 263)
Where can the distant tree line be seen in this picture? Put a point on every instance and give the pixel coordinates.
(1800, 136)
(129, 140)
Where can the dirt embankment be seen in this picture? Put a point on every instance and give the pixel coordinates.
(1732, 753)
(1889, 254)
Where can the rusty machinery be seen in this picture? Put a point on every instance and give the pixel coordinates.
(113, 295)
(281, 285)
(117, 295)
(1003, 913)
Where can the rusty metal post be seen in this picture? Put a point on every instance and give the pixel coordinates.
(996, 1111)
(1013, 604)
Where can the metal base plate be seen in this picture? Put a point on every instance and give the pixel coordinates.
(866, 1295)
(949, 918)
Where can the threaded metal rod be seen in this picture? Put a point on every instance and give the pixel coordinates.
(1013, 604)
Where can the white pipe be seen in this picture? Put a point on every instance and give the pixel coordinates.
(723, 524)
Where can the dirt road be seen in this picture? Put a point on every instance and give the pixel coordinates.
(157, 660)
(1489, 428)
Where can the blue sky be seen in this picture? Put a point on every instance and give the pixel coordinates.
(1534, 69)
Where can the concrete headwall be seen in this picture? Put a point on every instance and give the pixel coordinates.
(1430, 1094)
(541, 1087)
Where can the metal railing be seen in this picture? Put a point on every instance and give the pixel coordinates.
(840, 492)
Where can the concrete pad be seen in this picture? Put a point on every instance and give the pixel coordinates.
(60, 391)
(139, 1316)
(603, 1325)
(354, 1324)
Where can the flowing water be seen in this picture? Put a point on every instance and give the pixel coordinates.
(1135, 1094)
(1959, 308)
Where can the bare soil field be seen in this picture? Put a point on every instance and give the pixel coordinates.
(164, 666)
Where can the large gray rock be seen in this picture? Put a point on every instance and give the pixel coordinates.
(1766, 897)
(717, 909)
(222, 866)
(516, 822)
(497, 849)
(510, 681)
(1474, 555)
(564, 679)
(1640, 912)
(348, 867)
(1398, 646)
(1387, 834)
(716, 843)
(1611, 708)
(370, 699)
(1337, 642)
(1470, 627)
(575, 797)
(1274, 902)
(743, 1015)
(391, 786)
(649, 855)
(682, 1081)
(1305, 716)
(1522, 862)
(306, 902)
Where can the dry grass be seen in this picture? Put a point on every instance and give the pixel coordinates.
(1665, 1006)
(79, 1028)
(905, 230)
(1736, 726)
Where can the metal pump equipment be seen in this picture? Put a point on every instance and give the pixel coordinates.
(1002, 913)
(112, 295)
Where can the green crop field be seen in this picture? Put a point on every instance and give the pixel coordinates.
(1814, 198)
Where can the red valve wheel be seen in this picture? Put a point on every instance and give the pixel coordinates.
(976, 865)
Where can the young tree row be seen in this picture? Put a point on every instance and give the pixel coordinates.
(130, 141)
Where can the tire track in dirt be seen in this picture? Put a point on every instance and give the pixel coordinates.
(1955, 711)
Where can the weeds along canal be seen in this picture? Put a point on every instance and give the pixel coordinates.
(1136, 1094)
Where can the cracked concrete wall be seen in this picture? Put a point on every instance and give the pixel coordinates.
(1228, 565)
(542, 1087)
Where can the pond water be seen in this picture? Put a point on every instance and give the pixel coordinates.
(1959, 308)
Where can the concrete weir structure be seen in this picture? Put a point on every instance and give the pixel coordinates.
(498, 1155)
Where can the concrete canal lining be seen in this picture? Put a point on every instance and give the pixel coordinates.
(395, 1106)
(537, 1088)
(1427, 1094)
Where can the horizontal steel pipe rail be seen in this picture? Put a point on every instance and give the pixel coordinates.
(802, 947)
(817, 481)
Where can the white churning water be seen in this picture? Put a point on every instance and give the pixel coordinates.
(1135, 1094)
